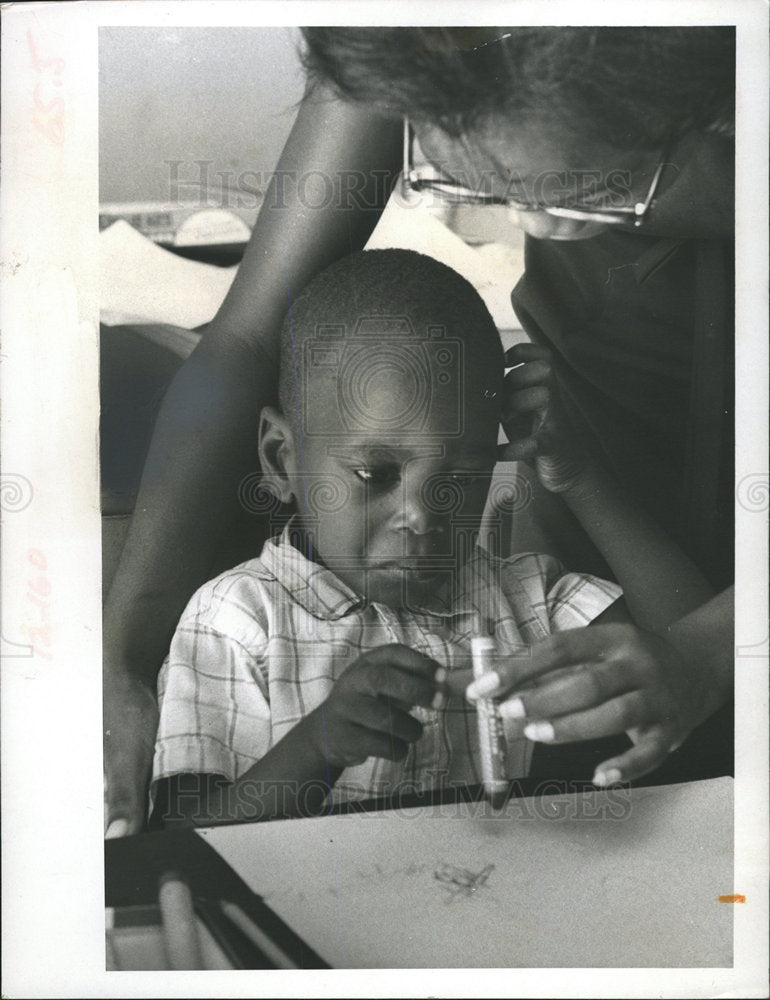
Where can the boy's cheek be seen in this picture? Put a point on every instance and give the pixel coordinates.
(342, 533)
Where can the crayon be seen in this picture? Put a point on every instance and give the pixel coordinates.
(491, 738)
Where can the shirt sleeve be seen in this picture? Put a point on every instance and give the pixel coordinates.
(213, 704)
(559, 600)
(575, 599)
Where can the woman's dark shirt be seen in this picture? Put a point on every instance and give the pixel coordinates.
(642, 334)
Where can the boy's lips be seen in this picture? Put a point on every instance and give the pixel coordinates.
(426, 557)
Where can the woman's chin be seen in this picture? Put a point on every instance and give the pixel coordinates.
(583, 231)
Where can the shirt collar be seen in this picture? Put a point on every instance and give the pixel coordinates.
(322, 594)
(315, 588)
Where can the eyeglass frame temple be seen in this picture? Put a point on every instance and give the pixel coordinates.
(405, 171)
(639, 210)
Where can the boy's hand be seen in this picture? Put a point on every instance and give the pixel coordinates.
(534, 421)
(367, 713)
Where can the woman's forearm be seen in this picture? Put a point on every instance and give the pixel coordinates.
(660, 583)
(706, 639)
(203, 445)
(330, 186)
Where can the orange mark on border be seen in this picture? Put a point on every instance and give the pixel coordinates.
(735, 898)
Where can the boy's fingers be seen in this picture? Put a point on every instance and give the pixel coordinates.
(400, 687)
(582, 687)
(649, 753)
(614, 716)
(386, 718)
(398, 655)
(372, 743)
(399, 673)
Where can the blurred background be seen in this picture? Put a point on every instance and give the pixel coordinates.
(225, 96)
(192, 122)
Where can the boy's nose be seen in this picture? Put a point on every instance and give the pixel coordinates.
(416, 515)
(419, 521)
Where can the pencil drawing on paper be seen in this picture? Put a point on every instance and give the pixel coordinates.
(461, 881)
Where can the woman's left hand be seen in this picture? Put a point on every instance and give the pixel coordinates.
(587, 683)
(534, 421)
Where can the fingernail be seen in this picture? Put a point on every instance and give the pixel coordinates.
(612, 776)
(483, 686)
(513, 709)
(540, 732)
(441, 675)
(117, 828)
(438, 701)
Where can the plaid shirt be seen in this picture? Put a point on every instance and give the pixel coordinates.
(262, 645)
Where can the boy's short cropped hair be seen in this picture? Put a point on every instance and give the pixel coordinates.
(388, 290)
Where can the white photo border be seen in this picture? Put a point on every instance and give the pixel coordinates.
(51, 706)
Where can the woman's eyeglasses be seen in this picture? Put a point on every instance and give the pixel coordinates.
(456, 194)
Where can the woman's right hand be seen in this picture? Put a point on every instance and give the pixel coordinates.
(130, 726)
(610, 679)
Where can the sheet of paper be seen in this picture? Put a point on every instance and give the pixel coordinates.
(613, 879)
(141, 282)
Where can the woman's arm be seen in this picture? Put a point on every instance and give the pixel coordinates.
(342, 160)
(657, 680)
(660, 583)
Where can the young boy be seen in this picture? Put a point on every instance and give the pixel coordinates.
(335, 663)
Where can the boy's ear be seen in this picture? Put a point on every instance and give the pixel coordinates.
(276, 452)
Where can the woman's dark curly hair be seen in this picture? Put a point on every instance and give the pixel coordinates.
(630, 87)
